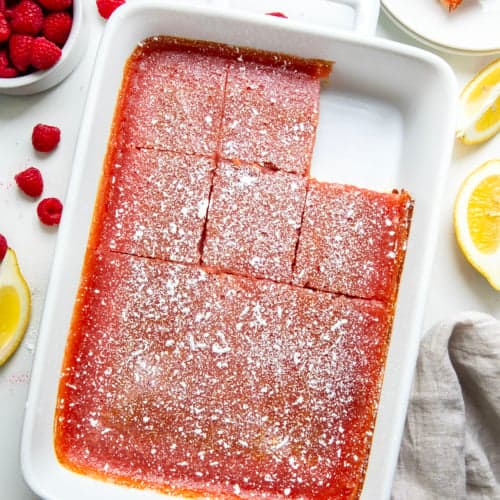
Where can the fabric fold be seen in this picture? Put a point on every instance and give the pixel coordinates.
(451, 442)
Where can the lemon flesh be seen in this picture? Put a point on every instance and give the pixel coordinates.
(15, 306)
(477, 220)
(479, 106)
(484, 215)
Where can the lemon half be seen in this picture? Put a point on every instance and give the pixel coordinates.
(477, 220)
(15, 306)
(479, 106)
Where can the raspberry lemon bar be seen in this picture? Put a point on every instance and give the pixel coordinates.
(226, 341)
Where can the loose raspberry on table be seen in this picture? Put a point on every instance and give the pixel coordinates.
(45, 137)
(55, 4)
(20, 51)
(49, 211)
(30, 182)
(107, 7)
(57, 27)
(26, 18)
(4, 28)
(3, 246)
(44, 53)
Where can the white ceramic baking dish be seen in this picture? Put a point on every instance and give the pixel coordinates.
(386, 120)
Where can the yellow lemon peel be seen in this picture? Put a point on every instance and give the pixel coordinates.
(479, 106)
(15, 306)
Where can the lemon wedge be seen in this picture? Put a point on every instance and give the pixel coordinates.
(477, 220)
(479, 106)
(15, 306)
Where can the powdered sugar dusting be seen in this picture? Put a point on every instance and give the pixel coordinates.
(284, 404)
(352, 240)
(157, 204)
(174, 101)
(253, 221)
(225, 381)
(270, 116)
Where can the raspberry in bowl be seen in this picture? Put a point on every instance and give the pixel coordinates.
(41, 41)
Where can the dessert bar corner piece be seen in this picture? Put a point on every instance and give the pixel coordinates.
(173, 100)
(270, 116)
(157, 203)
(253, 221)
(353, 241)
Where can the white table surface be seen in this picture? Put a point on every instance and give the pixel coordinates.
(455, 285)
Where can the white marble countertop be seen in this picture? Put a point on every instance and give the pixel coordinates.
(455, 285)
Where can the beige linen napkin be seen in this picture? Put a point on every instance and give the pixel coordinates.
(451, 442)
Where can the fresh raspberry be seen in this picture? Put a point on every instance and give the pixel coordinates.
(45, 137)
(26, 18)
(3, 247)
(57, 26)
(6, 70)
(107, 7)
(2, 5)
(49, 211)
(44, 53)
(20, 51)
(4, 58)
(30, 182)
(55, 4)
(277, 14)
(4, 28)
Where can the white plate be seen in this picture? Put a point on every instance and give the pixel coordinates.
(377, 129)
(473, 28)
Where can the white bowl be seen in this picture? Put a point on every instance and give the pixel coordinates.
(38, 81)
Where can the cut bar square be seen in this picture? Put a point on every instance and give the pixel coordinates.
(270, 116)
(174, 101)
(253, 221)
(353, 240)
(157, 204)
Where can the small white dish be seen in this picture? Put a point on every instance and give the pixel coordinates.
(471, 29)
(72, 52)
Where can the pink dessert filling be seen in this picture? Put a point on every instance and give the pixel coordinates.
(230, 331)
